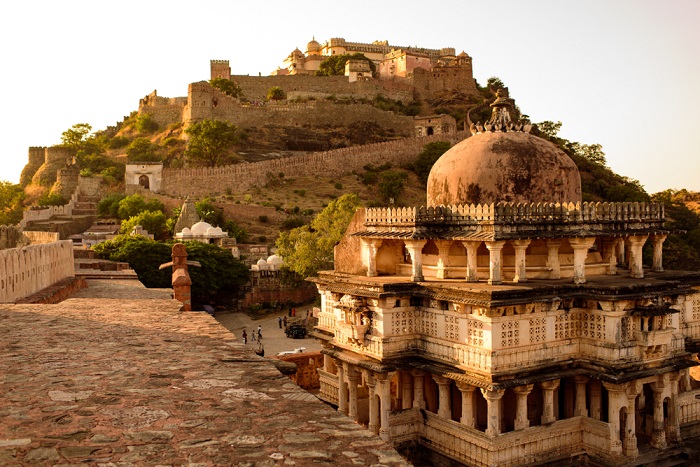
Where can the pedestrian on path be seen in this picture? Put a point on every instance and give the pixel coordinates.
(245, 337)
(285, 322)
(259, 332)
(252, 336)
(279, 320)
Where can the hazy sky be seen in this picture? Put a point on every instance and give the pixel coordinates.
(622, 73)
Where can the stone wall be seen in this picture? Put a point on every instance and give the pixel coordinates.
(10, 236)
(36, 159)
(240, 177)
(280, 295)
(307, 364)
(41, 237)
(27, 270)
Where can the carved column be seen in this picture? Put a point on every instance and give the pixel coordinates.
(493, 404)
(326, 363)
(418, 399)
(636, 245)
(580, 407)
(342, 389)
(630, 444)
(610, 255)
(372, 248)
(548, 387)
(415, 248)
(373, 425)
(443, 253)
(520, 247)
(467, 391)
(444, 404)
(658, 242)
(521, 393)
(596, 399)
(616, 395)
(580, 246)
(621, 260)
(495, 261)
(471, 248)
(674, 429)
(406, 385)
(553, 259)
(384, 383)
(353, 377)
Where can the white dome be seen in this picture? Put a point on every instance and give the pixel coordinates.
(200, 228)
(261, 262)
(186, 231)
(275, 260)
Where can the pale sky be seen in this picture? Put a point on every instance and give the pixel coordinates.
(622, 73)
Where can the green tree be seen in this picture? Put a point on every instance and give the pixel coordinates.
(152, 221)
(134, 204)
(335, 64)
(391, 184)
(309, 249)
(11, 197)
(142, 150)
(276, 93)
(76, 136)
(495, 82)
(427, 158)
(145, 124)
(227, 86)
(210, 141)
(549, 129)
(51, 199)
(109, 205)
(143, 255)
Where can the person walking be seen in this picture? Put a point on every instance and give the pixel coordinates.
(285, 322)
(245, 337)
(259, 333)
(279, 320)
(252, 336)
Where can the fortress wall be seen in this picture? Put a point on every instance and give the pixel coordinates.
(36, 158)
(165, 114)
(41, 237)
(240, 177)
(24, 271)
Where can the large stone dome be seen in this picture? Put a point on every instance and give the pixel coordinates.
(502, 161)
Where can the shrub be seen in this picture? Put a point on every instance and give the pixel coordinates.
(144, 124)
(155, 222)
(118, 142)
(132, 205)
(263, 219)
(292, 223)
(52, 199)
(142, 150)
(86, 172)
(338, 186)
(276, 93)
(109, 205)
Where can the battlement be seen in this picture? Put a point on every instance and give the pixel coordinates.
(58, 153)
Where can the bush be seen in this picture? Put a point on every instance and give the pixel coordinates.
(338, 186)
(86, 172)
(132, 205)
(292, 223)
(276, 93)
(145, 124)
(109, 205)
(427, 158)
(142, 150)
(392, 184)
(263, 219)
(52, 199)
(118, 142)
(155, 222)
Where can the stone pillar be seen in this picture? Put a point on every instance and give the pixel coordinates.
(610, 255)
(373, 425)
(353, 377)
(630, 443)
(467, 391)
(596, 399)
(553, 258)
(658, 433)
(444, 404)
(342, 389)
(657, 262)
(471, 248)
(384, 383)
(636, 245)
(674, 429)
(326, 363)
(616, 396)
(520, 247)
(493, 404)
(580, 246)
(620, 246)
(406, 385)
(580, 407)
(372, 248)
(415, 248)
(521, 393)
(495, 261)
(418, 398)
(548, 387)
(443, 253)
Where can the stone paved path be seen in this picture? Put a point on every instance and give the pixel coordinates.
(131, 381)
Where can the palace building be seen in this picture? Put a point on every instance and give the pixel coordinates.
(508, 322)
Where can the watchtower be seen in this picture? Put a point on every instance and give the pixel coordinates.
(220, 69)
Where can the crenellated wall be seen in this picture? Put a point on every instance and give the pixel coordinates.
(24, 271)
(337, 162)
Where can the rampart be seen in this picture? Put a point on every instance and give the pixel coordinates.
(26, 270)
(11, 236)
(240, 177)
(36, 158)
(163, 110)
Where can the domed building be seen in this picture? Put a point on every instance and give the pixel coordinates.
(508, 322)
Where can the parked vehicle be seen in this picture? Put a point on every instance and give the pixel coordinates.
(296, 331)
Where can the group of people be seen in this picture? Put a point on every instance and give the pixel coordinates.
(252, 335)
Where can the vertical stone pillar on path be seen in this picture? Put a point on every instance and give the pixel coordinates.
(182, 284)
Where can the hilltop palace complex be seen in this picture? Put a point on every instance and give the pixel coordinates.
(508, 323)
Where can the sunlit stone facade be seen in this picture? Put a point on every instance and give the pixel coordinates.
(512, 334)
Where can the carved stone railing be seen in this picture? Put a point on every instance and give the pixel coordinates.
(512, 213)
(328, 386)
(688, 407)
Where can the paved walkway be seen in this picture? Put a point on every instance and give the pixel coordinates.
(274, 338)
(123, 378)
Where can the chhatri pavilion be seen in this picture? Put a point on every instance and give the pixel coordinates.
(508, 322)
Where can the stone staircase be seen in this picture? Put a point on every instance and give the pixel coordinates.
(86, 206)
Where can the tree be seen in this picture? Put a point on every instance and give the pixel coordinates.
(309, 249)
(210, 141)
(227, 86)
(549, 129)
(335, 64)
(495, 82)
(11, 197)
(152, 221)
(76, 136)
(142, 150)
(391, 184)
(109, 205)
(134, 204)
(144, 124)
(276, 93)
(427, 158)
